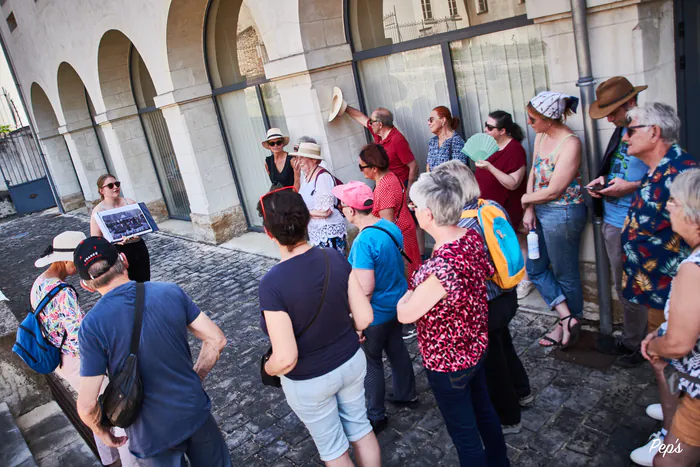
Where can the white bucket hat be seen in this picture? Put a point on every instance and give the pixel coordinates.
(310, 150)
(273, 134)
(61, 248)
(338, 104)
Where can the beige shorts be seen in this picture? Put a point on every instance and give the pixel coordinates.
(686, 421)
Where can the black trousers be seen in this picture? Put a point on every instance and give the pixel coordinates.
(139, 261)
(506, 378)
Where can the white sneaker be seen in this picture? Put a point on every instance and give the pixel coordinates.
(524, 288)
(512, 429)
(655, 412)
(645, 455)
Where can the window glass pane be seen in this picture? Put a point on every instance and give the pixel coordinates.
(245, 130)
(274, 109)
(409, 84)
(500, 71)
(376, 23)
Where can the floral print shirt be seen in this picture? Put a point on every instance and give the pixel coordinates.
(453, 335)
(544, 169)
(651, 251)
(61, 315)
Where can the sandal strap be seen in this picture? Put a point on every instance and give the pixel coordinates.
(561, 320)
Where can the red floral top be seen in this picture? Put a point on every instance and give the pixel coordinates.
(453, 335)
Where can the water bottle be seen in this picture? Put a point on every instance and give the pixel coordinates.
(533, 245)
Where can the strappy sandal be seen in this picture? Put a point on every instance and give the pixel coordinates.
(552, 342)
(574, 331)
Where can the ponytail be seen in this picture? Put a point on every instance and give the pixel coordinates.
(444, 112)
(504, 121)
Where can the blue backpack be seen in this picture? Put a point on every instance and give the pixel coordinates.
(31, 345)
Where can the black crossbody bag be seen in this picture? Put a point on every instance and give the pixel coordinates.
(121, 401)
(275, 381)
(403, 253)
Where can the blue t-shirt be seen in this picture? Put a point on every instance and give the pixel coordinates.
(373, 249)
(174, 402)
(295, 287)
(630, 169)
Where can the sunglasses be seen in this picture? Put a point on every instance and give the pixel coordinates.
(632, 129)
(363, 167)
(112, 185)
(373, 121)
(490, 127)
(278, 142)
(262, 198)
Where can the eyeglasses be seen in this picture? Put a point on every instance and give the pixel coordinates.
(363, 167)
(262, 198)
(278, 142)
(632, 129)
(489, 127)
(374, 121)
(112, 185)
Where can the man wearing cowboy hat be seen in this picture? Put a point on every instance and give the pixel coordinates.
(613, 190)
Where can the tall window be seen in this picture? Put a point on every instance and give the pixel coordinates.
(427, 9)
(482, 6)
(453, 7)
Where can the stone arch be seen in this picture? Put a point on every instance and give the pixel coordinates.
(73, 97)
(185, 43)
(44, 113)
(321, 24)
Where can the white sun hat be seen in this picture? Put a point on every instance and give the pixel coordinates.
(61, 249)
(310, 150)
(338, 104)
(272, 135)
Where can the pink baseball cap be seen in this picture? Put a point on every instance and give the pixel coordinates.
(357, 195)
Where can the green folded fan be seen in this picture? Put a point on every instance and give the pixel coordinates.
(480, 147)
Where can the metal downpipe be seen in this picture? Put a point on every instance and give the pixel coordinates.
(586, 84)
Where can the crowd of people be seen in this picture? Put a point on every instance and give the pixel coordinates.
(332, 310)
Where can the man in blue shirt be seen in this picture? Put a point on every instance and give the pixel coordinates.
(377, 262)
(613, 191)
(175, 418)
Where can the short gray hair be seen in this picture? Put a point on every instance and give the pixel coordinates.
(385, 117)
(104, 273)
(686, 190)
(467, 180)
(441, 192)
(661, 115)
(306, 139)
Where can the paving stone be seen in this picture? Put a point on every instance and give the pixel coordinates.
(302, 452)
(583, 400)
(555, 434)
(603, 420)
(570, 459)
(587, 441)
(552, 397)
(627, 439)
(534, 417)
(273, 451)
(520, 440)
(532, 458)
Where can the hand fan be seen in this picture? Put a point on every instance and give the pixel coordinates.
(480, 147)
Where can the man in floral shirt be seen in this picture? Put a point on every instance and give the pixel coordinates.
(651, 251)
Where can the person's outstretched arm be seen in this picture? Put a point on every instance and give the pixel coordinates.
(356, 115)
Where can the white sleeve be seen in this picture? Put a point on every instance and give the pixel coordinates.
(323, 197)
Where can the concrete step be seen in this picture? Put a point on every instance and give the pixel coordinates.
(14, 451)
(53, 440)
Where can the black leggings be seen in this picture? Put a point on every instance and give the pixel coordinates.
(139, 260)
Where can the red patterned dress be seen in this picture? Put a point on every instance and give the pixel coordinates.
(389, 194)
(453, 335)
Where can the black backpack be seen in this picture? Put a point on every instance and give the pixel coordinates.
(121, 401)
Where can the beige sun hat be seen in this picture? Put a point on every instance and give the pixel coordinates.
(310, 150)
(338, 104)
(273, 134)
(61, 248)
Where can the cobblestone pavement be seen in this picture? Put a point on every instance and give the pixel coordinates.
(580, 416)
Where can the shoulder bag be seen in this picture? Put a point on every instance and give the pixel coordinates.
(275, 381)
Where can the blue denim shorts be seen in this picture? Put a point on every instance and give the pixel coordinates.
(332, 406)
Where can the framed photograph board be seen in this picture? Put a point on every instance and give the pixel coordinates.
(125, 222)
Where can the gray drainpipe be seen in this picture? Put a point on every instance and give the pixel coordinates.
(11, 66)
(586, 85)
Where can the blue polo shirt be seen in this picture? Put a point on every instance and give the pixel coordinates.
(373, 249)
(175, 405)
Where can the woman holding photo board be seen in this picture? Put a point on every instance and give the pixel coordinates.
(134, 248)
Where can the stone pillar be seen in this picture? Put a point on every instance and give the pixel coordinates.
(216, 211)
(87, 159)
(132, 159)
(59, 163)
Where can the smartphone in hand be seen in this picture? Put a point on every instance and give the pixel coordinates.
(598, 187)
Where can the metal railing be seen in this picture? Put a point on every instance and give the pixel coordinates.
(20, 159)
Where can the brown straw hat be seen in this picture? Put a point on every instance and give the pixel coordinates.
(611, 94)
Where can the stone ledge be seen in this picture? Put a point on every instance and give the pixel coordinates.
(13, 449)
(220, 227)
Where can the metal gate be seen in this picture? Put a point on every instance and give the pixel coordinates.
(23, 171)
(166, 164)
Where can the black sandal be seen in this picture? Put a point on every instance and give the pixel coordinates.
(574, 331)
(552, 341)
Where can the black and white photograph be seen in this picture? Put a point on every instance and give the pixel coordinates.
(124, 222)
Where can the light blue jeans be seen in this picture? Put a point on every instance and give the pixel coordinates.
(556, 273)
(332, 406)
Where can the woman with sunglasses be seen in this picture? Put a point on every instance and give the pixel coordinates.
(135, 247)
(280, 166)
(327, 225)
(390, 199)
(501, 177)
(447, 144)
(555, 210)
(313, 310)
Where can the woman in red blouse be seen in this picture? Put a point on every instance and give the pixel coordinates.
(501, 177)
(390, 199)
(447, 300)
